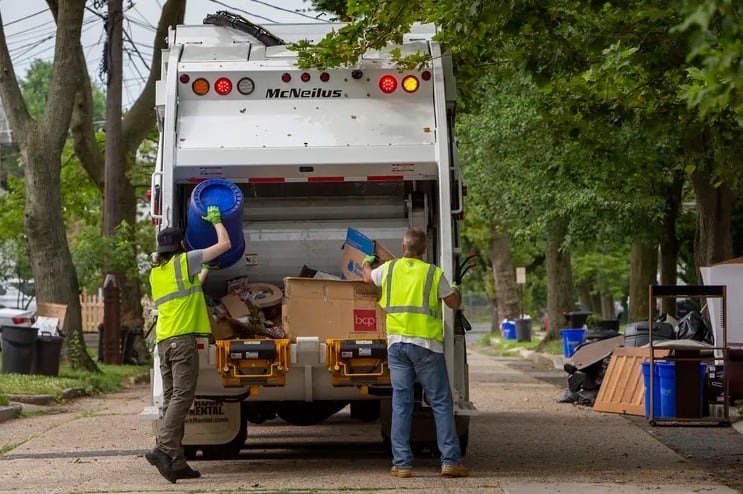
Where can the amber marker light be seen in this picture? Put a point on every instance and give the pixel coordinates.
(200, 86)
(410, 84)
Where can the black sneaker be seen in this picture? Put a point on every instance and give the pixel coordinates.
(187, 473)
(163, 463)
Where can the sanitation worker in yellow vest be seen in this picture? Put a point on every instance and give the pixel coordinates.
(176, 278)
(412, 291)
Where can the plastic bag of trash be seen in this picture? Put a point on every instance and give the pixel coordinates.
(693, 327)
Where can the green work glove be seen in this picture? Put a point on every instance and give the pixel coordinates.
(455, 286)
(205, 266)
(213, 215)
(370, 260)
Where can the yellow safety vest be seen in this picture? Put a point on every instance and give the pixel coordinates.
(410, 298)
(178, 299)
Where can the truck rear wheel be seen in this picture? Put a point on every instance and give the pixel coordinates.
(365, 410)
(308, 413)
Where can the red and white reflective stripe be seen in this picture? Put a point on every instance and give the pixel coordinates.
(369, 178)
(314, 179)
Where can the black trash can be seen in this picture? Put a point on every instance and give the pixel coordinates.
(47, 353)
(576, 319)
(18, 349)
(523, 329)
(638, 334)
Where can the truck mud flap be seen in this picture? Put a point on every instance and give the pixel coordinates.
(360, 363)
(253, 362)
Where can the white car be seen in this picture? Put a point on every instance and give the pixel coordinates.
(17, 294)
(15, 317)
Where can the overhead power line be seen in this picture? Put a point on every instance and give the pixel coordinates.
(10, 23)
(243, 11)
(286, 10)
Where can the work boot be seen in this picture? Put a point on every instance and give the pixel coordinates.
(455, 471)
(402, 472)
(163, 463)
(187, 473)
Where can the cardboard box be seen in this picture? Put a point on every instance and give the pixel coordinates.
(50, 318)
(222, 329)
(356, 246)
(331, 309)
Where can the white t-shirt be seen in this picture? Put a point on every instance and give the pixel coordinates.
(445, 290)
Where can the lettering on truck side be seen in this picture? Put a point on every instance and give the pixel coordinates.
(206, 411)
(303, 93)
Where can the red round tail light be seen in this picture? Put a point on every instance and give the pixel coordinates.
(223, 86)
(387, 84)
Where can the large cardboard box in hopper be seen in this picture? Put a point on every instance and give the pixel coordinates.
(356, 246)
(331, 309)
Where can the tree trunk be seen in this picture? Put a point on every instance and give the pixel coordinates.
(41, 146)
(506, 290)
(643, 270)
(584, 295)
(136, 124)
(607, 306)
(714, 203)
(559, 280)
(713, 241)
(669, 245)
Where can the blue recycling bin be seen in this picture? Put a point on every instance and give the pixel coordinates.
(508, 329)
(571, 338)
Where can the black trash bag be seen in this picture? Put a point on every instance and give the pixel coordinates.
(693, 327)
(577, 381)
(587, 397)
(567, 397)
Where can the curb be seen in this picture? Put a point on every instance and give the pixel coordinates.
(67, 394)
(9, 412)
(554, 361)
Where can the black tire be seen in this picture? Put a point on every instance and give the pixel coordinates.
(387, 444)
(365, 410)
(303, 413)
(464, 440)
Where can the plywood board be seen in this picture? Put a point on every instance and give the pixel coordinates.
(589, 354)
(622, 389)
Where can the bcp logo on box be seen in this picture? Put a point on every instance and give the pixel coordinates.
(364, 320)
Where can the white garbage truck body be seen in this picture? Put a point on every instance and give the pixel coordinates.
(313, 152)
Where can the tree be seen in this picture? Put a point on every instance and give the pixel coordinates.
(611, 78)
(137, 124)
(41, 142)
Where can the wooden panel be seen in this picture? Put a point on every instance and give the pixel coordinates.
(622, 389)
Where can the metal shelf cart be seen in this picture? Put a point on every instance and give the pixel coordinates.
(687, 360)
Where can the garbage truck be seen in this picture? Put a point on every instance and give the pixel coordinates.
(315, 155)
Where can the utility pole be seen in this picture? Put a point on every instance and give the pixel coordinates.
(113, 178)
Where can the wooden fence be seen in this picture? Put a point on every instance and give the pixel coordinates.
(92, 311)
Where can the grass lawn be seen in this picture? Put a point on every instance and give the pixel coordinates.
(512, 347)
(110, 378)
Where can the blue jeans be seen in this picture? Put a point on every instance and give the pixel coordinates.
(408, 362)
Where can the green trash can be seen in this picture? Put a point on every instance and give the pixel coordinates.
(47, 352)
(18, 349)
